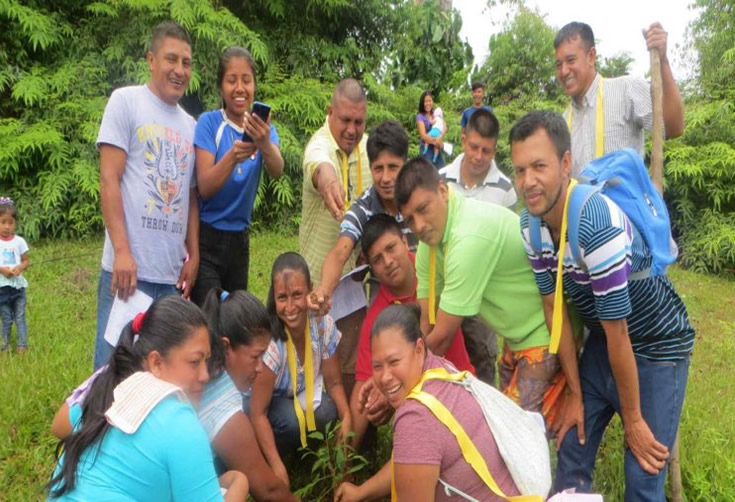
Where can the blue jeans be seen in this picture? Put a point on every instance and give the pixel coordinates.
(662, 387)
(13, 306)
(285, 425)
(103, 350)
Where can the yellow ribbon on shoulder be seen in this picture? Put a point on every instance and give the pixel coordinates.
(469, 451)
(346, 175)
(308, 422)
(599, 122)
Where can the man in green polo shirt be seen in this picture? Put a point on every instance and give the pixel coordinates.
(480, 268)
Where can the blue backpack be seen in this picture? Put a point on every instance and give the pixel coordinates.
(623, 178)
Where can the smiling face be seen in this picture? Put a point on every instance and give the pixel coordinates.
(426, 213)
(170, 67)
(575, 67)
(540, 175)
(347, 122)
(290, 290)
(384, 171)
(428, 103)
(244, 362)
(479, 153)
(184, 365)
(477, 96)
(397, 363)
(390, 262)
(7, 225)
(238, 87)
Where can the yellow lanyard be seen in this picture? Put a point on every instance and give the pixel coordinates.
(470, 453)
(308, 381)
(599, 122)
(432, 285)
(556, 322)
(346, 176)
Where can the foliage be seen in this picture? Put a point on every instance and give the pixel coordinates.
(615, 66)
(333, 461)
(512, 74)
(713, 37)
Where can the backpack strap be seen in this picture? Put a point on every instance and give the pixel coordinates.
(534, 234)
(577, 200)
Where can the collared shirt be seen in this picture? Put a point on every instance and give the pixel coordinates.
(319, 231)
(362, 210)
(482, 268)
(627, 113)
(496, 187)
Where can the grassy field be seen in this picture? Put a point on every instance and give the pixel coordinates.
(61, 319)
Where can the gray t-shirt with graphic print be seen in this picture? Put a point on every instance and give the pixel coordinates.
(159, 172)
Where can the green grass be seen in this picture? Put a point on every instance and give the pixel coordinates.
(61, 320)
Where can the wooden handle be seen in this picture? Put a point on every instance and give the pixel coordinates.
(657, 132)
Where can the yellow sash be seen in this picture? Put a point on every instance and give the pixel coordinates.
(308, 381)
(599, 122)
(469, 451)
(346, 176)
(556, 322)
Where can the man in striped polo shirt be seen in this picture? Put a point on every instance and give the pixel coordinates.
(622, 104)
(636, 359)
(474, 174)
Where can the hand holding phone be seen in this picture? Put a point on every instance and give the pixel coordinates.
(261, 110)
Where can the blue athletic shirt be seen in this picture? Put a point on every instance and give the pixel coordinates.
(167, 459)
(467, 113)
(231, 207)
(611, 249)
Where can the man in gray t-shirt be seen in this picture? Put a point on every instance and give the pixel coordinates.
(147, 187)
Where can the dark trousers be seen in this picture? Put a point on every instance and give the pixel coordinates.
(224, 260)
(662, 386)
(482, 347)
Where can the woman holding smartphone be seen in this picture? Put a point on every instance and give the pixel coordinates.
(228, 173)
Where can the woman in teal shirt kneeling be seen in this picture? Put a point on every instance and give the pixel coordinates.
(148, 443)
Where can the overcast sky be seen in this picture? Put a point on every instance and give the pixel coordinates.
(617, 25)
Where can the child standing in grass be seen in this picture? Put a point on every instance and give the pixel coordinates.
(13, 261)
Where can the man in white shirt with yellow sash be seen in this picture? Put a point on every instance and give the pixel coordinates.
(608, 114)
(336, 172)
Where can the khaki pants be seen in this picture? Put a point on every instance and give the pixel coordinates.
(347, 349)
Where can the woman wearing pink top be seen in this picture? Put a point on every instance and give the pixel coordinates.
(424, 450)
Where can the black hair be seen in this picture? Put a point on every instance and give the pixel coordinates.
(229, 54)
(406, 317)
(550, 121)
(349, 89)
(390, 136)
(168, 29)
(416, 173)
(289, 260)
(573, 30)
(169, 323)
(421, 101)
(376, 227)
(8, 206)
(484, 123)
(477, 85)
(240, 317)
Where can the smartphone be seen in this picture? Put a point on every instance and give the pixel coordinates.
(261, 110)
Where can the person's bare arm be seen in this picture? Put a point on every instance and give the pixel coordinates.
(651, 454)
(423, 133)
(325, 181)
(24, 263)
(260, 400)
(673, 107)
(573, 407)
(376, 487)
(331, 272)
(124, 269)
(442, 335)
(61, 426)
(333, 383)
(237, 447)
(261, 133)
(190, 268)
(416, 482)
(236, 485)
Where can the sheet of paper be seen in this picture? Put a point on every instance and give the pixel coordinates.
(448, 148)
(349, 295)
(123, 312)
